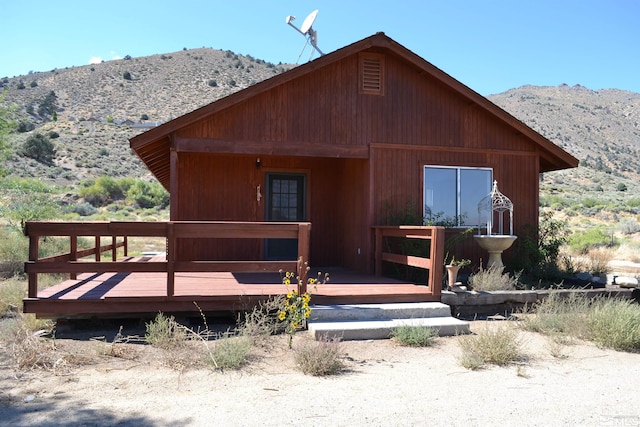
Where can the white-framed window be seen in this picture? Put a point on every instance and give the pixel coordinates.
(452, 193)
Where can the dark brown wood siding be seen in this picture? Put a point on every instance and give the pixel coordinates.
(414, 121)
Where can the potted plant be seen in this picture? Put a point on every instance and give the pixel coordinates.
(452, 269)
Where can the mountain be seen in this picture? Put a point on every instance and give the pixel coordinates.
(99, 107)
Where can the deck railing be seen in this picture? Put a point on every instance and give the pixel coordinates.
(433, 261)
(71, 264)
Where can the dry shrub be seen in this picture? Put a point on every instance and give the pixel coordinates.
(598, 260)
(320, 358)
(493, 279)
(231, 352)
(164, 332)
(494, 345)
(261, 322)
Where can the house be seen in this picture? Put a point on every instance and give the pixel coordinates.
(337, 142)
(333, 146)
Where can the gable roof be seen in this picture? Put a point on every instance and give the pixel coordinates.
(153, 147)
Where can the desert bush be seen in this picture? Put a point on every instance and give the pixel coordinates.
(598, 260)
(536, 252)
(24, 338)
(39, 148)
(164, 332)
(495, 345)
(628, 226)
(85, 209)
(14, 249)
(582, 242)
(493, 279)
(147, 195)
(105, 190)
(261, 322)
(615, 324)
(231, 352)
(319, 358)
(126, 75)
(414, 336)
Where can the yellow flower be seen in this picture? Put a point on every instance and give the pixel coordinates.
(307, 312)
(312, 281)
(289, 294)
(282, 315)
(286, 281)
(306, 298)
(294, 325)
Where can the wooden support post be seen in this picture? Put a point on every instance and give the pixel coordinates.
(304, 236)
(73, 251)
(437, 260)
(33, 256)
(97, 248)
(171, 258)
(114, 248)
(126, 246)
(378, 252)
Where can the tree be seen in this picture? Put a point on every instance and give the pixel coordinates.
(39, 148)
(48, 105)
(126, 75)
(621, 187)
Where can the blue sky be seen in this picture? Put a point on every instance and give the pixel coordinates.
(489, 45)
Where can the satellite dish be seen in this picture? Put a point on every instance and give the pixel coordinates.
(308, 22)
(306, 30)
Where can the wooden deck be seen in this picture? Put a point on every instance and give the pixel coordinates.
(148, 284)
(139, 293)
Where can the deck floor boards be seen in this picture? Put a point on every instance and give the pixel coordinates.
(146, 292)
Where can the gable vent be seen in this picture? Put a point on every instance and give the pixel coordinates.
(371, 74)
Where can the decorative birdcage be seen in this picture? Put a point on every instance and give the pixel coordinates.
(493, 207)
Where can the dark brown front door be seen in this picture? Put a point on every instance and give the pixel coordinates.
(286, 203)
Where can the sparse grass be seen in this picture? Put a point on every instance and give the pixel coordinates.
(24, 337)
(12, 292)
(319, 358)
(498, 345)
(609, 322)
(415, 336)
(560, 314)
(615, 323)
(493, 279)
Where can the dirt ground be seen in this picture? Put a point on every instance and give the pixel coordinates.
(384, 384)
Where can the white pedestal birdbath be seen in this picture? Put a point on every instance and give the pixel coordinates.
(492, 207)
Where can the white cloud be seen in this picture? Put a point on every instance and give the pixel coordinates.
(114, 55)
(95, 60)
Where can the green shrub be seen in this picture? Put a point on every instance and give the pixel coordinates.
(415, 336)
(105, 190)
(39, 148)
(582, 242)
(164, 332)
(148, 195)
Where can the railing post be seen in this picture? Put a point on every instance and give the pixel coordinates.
(73, 250)
(126, 246)
(33, 256)
(97, 248)
(304, 236)
(377, 252)
(437, 260)
(171, 251)
(114, 248)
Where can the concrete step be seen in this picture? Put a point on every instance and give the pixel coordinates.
(379, 311)
(377, 321)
